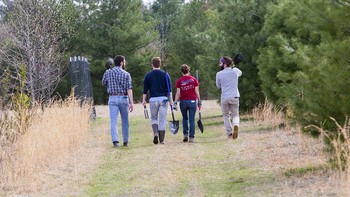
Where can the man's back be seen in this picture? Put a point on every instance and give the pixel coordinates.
(117, 80)
(155, 82)
(227, 81)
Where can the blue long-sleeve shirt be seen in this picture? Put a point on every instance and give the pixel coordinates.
(155, 83)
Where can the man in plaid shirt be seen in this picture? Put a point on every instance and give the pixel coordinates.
(119, 88)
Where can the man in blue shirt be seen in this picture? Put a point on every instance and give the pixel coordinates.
(155, 83)
(119, 89)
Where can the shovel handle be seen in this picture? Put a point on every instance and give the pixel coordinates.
(172, 114)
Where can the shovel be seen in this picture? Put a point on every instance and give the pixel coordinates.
(238, 59)
(199, 122)
(173, 125)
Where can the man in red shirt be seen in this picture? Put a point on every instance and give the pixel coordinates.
(187, 91)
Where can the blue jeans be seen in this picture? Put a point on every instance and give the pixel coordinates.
(158, 108)
(119, 104)
(188, 110)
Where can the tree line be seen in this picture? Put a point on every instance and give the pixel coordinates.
(295, 52)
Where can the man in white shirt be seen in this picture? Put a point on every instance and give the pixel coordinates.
(227, 81)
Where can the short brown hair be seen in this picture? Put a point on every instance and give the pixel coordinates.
(118, 59)
(156, 62)
(185, 69)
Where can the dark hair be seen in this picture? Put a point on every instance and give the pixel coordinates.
(228, 60)
(185, 69)
(118, 59)
(156, 62)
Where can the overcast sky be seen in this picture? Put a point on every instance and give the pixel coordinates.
(145, 1)
(148, 1)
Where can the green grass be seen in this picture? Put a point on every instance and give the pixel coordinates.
(211, 166)
(259, 128)
(207, 167)
(299, 172)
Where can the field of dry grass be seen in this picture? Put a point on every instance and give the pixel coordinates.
(46, 145)
(266, 160)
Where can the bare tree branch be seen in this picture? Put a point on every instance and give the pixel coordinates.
(34, 32)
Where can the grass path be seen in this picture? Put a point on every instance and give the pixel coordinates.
(263, 161)
(209, 166)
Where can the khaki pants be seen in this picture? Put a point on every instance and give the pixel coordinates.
(230, 105)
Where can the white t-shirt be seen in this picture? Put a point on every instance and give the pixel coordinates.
(227, 81)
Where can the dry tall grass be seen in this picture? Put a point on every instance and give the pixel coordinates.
(51, 136)
(341, 150)
(268, 114)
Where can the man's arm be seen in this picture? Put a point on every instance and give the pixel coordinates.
(144, 99)
(145, 89)
(104, 78)
(218, 84)
(131, 98)
(171, 99)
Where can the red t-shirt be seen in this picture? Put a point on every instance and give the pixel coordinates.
(187, 86)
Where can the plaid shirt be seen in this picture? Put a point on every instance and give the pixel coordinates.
(117, 80)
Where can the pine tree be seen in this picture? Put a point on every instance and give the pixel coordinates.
(115, 27)
(305, 65)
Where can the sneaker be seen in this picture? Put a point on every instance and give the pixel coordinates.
(115, 144)
(185, 139)
(229, 136)
(155, 140)
(125, 143)
(191, 140)
(235, 132)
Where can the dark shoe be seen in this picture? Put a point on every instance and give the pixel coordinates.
(235, 132)
(125, 144)
(229, 137)
(115, 144)
(185, 139)
(161, 136)
(155, 140)
(191, 140)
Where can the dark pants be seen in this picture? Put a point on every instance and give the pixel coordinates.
(188, 110)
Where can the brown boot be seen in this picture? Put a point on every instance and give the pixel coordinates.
(235, 132)
(161, 136)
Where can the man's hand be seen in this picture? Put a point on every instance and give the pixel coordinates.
(131, 107)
